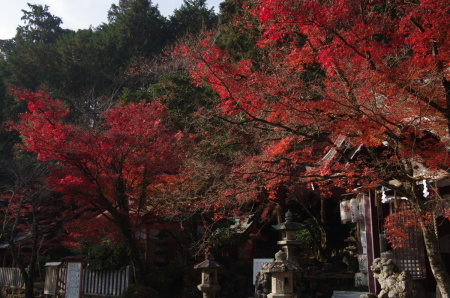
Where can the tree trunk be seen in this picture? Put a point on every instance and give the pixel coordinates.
(324, 222)
(124, 225)
(124, 222)
(136, 260)
(29, 282)
(436, 263)
(29, 287)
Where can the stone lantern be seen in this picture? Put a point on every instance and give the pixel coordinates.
(282, 276)
(210, 285)
(288, 240)
(160, 251)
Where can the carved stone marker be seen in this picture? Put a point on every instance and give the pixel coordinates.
(73, 283)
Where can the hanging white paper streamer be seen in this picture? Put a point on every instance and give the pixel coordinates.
(383, 196)
(426, 193)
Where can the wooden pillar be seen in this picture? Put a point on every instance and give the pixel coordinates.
(372, 238)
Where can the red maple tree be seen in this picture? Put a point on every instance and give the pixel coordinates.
(344, 76)
(120, 168)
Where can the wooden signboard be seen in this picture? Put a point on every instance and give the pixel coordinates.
(73, 284)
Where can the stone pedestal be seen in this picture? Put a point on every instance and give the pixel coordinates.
(209, 291)
(282, 285)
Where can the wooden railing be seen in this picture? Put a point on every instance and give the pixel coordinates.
(95, 283)
(105, 283)
(99, 283)
(11, 277)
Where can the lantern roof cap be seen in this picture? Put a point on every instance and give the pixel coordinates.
(208, 262)
(280, 264)
(289, 224)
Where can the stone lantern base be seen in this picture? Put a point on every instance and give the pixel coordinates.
(273, 295)
(209, 291)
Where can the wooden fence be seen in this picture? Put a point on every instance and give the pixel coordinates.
(11, 278)
(107, 283)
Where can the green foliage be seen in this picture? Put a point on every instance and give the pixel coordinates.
(34, 66)
(302, 290)
(92, 62)
(32, 59)
(40, 26)
(226, 240)
(6, 47)
(129, 95)
(309, 238)
(84, 65)
(4, 99)
(136, 29)
(192, 17)
(104, 255)
(140, 291)
(54, 254)
(182, 98)
(192, 277)
(236, 279)
(238, 30)
(163, 279)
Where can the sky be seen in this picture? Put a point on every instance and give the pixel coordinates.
(75, 14)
